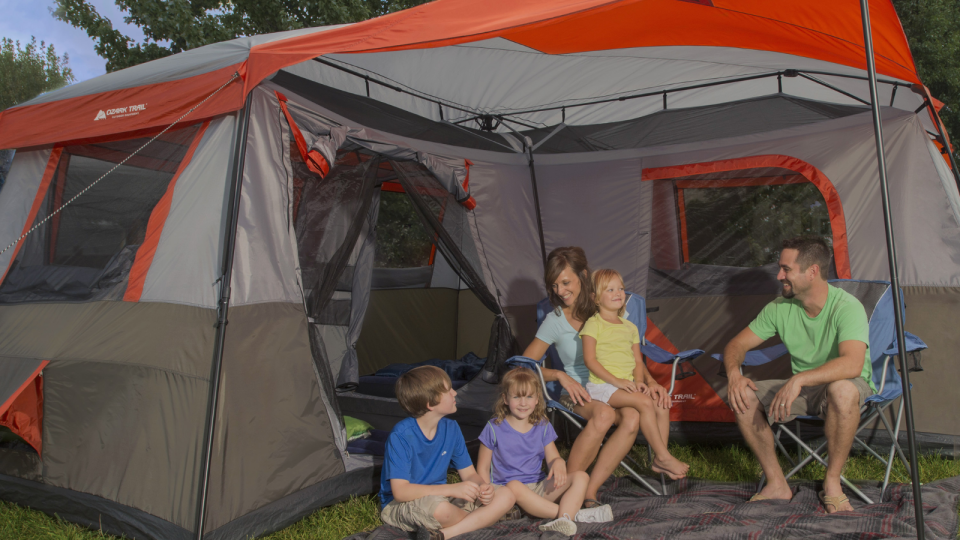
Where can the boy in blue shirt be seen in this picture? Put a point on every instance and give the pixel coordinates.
(414, 493)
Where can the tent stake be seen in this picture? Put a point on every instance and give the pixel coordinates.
(894, 276)
(233, 211)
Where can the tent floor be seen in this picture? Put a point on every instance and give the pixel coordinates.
(700, 509)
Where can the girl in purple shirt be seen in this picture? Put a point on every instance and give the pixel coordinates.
(515, 443)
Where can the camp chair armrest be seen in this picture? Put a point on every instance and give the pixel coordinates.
(913, 344)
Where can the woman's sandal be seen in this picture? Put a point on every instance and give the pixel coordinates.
(759, 497)
(835, 502)
(591, 503)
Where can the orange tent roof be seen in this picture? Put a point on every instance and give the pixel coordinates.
(819, 29)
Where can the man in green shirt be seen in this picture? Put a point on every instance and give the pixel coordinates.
(826, 333)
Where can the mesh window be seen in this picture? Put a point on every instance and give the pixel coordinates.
(85, 251)
(721, 233)
(401, 239)
(744, 226)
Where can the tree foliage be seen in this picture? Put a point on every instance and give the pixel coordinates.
(933, 31)
(179, 25)
(30, 71)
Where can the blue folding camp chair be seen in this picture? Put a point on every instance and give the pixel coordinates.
(636, 312)
(877, 300)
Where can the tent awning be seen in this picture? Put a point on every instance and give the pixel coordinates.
(812, 29)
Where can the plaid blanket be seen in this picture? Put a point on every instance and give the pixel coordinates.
(700, 509)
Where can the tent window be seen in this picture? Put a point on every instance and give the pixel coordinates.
(743, 226)
(85, 252)
(720, 232)
(402, 241)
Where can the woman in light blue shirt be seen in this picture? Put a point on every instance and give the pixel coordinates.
(569, 288)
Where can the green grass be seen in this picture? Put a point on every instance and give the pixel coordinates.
(358, 514)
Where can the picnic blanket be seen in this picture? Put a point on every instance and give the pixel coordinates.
(701, 509)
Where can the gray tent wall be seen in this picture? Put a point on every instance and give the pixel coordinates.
(840, 147)
(127, 386)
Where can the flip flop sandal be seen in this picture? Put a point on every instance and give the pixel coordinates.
(832, 501)
(591, 503)
(759, 497)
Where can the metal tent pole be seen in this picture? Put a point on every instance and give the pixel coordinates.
(894, 275)
(230, 238)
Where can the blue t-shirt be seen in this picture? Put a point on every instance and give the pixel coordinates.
(517, 456)
(556, 331)
(410, 456)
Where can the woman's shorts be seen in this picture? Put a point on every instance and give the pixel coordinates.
(601, 392)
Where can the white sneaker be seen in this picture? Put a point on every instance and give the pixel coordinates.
(597, 514)
(562, 525)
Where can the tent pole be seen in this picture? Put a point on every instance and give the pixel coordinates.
(894, 275)
(536, 200)
(230, 238)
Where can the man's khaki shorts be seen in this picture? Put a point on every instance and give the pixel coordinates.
(411, 515)
(812, 400)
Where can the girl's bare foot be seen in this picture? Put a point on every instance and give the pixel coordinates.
(671, 466)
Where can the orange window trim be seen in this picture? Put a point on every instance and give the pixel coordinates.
(158, 217)
(57, 200)
(23, 410)
(392, 187)
(838, 223)
(37, 201)
(682, 210)
(314, 160)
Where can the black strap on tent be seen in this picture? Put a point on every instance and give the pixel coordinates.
(327, 282)
(502, 344)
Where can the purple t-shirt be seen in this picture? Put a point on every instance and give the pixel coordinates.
(517, 456)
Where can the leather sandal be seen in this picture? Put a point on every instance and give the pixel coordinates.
(832, 501)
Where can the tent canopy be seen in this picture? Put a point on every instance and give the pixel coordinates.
(523, 57)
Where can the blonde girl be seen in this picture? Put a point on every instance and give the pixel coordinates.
(618, 376)
(515, 443)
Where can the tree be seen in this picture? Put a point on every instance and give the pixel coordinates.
(933, 31)
(24, 74)
(179, 25)
(28, 72)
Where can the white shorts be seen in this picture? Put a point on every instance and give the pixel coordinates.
(601, 392)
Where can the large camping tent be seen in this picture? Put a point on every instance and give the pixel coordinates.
(667, 137)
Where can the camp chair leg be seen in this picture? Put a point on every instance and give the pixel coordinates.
(633, 474)
(872, 452)
(663, 478)
(895, 433)
(815, 455)
(783, 449)
(799, 448)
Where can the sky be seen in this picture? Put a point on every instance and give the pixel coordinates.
(24, 18)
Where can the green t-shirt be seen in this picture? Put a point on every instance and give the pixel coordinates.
(812, 341)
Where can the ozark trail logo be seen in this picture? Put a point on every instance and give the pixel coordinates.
(121, 112)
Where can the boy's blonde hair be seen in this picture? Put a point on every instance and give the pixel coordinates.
(600, 280)
(520, 381)
(421, 387)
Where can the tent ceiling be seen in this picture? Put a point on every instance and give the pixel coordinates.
(506, 78)
(662, 127)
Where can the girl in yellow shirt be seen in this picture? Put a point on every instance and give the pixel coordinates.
(618, 376)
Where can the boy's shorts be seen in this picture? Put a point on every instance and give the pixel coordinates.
(411, 515)
(812, 400)
(601, 392)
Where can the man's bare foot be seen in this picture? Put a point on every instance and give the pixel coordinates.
(671, 466)
(781, 492)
